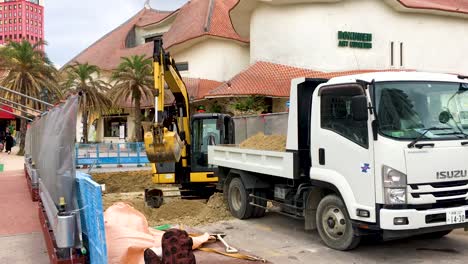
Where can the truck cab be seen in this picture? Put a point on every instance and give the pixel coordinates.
(382, 153)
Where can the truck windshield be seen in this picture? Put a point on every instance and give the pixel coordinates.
(406, 110)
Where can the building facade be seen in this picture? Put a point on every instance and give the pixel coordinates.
(21, 19)
(342, 35)
(329, 38)
(199, 36)
(253, 48)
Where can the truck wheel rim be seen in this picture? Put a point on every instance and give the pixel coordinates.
(334, 223)
(236, 199)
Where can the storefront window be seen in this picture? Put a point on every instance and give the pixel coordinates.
(112, 126)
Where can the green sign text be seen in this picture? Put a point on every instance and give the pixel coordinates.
(354, 40)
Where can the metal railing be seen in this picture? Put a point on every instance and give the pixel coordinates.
(110, 153)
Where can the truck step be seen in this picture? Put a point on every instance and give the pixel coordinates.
(278, 212)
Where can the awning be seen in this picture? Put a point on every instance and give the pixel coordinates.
(5, 115)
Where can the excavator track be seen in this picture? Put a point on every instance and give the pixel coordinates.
(156, 197)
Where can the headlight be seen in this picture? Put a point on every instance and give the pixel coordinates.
(394, 183)
(395, 196)
(393, 178)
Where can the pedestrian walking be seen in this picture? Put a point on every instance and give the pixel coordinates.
(8, 143)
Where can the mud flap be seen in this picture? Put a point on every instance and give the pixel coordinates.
(313, 198)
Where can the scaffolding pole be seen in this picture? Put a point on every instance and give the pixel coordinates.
(17, 109)
(26, 96)
(27, 107)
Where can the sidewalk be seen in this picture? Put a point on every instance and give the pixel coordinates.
(21, 238)
(11, 162)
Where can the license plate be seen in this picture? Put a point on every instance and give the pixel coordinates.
(456, 216)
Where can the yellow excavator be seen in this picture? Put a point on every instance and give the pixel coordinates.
(177, 143)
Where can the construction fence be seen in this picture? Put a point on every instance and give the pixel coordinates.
(110, 153)
(50, 164)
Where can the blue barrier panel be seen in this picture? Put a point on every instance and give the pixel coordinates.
(110, 153)
(92, 218)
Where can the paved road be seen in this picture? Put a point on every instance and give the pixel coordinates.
(21, 239)
(282, 240)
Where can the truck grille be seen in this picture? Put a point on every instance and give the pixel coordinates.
(449, 184)
(441, 194)
(441, 184)
(451, 194)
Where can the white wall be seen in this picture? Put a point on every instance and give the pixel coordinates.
(305, 35)
(214, 59)
(142, 33)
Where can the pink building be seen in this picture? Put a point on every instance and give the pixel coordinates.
(21, 19)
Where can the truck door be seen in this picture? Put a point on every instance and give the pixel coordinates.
(341, 148)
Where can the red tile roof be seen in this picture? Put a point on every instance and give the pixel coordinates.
(107, 51)
(195, 19)
(199, 18)
(270, 79)
(455, 6)
(153, 17)
(197, 89)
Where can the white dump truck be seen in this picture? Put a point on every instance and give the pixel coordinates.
(374, 154)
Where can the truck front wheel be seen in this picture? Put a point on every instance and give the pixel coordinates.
(238, 200)
(334, 225)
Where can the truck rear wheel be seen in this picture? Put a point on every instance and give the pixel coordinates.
(334, 225)
(238, 200)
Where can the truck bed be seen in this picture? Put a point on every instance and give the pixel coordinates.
(275, 163)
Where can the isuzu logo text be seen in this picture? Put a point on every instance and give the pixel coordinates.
(441, 175)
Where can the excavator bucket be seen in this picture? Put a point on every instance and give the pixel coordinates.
(169, 150)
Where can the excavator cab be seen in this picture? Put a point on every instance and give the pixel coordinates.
(207, 130)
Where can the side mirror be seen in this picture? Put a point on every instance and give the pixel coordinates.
(359, 108)
(444, 117)
(211, 140)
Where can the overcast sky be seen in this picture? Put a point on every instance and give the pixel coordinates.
(73, 25)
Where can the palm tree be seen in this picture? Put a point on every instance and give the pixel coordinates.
(133, 81)
(84, 79)
(28, 71)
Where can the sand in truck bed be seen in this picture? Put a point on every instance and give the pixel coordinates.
(261, 141)
(129, 187)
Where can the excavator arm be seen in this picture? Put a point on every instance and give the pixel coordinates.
(175, 158)
(163, 145)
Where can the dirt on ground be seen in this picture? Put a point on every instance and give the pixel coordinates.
(124, 181)
(261, 141)
(175, 211)
(129, 187)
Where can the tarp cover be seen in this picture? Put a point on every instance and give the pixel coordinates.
(5, 115)
(51, 140)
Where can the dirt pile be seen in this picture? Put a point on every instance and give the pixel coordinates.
(261, 141)
(124, 181)
(129, 187)
(183, 212)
